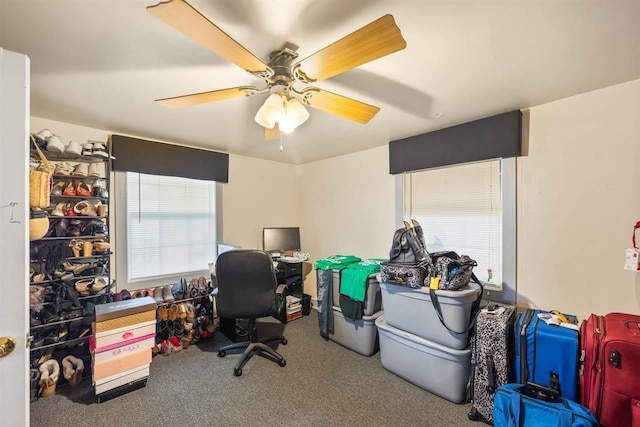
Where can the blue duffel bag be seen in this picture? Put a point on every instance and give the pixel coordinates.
(534, 405)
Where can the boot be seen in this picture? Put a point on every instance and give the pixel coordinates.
(72, 370)
(49, 374)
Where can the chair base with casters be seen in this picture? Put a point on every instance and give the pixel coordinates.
(255, 346)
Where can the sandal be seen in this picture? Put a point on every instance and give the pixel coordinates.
(76, 247)
(193, 288)
(163, 313)
(202, 285)
(99, 285)
(82, 286)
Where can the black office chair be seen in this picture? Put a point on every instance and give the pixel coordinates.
(247, 289)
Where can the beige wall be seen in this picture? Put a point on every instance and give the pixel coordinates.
(578, 199)
(347, 207)
(260, 193)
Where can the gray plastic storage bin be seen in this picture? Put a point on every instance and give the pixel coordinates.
(438, 369)
(372, 299)
(360, 336)
(411, 310)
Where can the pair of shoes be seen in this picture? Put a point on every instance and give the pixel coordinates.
(54, 144)
(141, 293)
(94, 286)
(85, 207)
(72, 370)
(73, 148)
(167, 295)
(63, 168)
(157, 295)
(49, 374)
(193, 288)
(99, 149)
(98, 170)
(123, 295)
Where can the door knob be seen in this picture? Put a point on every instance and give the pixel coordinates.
(6, 346)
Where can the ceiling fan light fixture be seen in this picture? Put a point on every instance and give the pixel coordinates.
(271, 111)
(295, 115)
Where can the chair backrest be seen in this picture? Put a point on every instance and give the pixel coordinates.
(246, 284)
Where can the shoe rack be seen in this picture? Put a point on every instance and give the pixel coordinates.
(70, 265)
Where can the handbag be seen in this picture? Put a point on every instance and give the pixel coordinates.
(40, 183)
(451, 270)
(535, 405)
(404, 274)
(407, 246)
(38, 224)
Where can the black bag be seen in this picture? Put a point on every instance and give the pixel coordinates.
(407, 246)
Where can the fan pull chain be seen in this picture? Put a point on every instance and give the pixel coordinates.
(281, 147)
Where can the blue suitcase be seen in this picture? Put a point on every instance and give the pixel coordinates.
(532, 405)
(546, 354)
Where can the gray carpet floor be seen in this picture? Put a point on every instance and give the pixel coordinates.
(323, 384)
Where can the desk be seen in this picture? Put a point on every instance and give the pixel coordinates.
(291, 274)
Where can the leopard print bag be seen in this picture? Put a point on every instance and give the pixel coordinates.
(490, 356)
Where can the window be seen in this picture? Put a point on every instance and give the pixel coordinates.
(469, 209)
(171, 225)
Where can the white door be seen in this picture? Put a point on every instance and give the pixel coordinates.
(14, 240)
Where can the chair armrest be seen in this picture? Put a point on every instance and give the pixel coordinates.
(281, 298)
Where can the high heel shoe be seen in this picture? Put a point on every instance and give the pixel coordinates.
(76, 247)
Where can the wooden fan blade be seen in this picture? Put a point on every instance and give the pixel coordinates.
(203, 97)
(186, 19)
(273, 133)
(339, 105)
(373, 41)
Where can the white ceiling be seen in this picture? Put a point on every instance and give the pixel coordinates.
(102, 63)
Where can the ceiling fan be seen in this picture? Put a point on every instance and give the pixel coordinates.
(283, 109)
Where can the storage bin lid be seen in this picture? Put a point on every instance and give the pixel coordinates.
(465, 295)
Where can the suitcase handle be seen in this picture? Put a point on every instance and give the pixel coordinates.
(540, 392)
(636, 324)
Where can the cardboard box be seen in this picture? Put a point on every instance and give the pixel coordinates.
(112, 382)
(121, 336)
(109, 368)
(129, 307)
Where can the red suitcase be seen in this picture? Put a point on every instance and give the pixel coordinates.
(610, 369)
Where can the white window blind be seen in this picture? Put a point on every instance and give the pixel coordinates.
(460, 209)
(170, 225)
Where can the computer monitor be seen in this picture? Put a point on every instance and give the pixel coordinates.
(222, 247)
(281, 239)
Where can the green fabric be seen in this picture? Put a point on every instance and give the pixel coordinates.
(355, 276)
(336, 262)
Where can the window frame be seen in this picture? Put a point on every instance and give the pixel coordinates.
(506, 293)
(121, 241)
